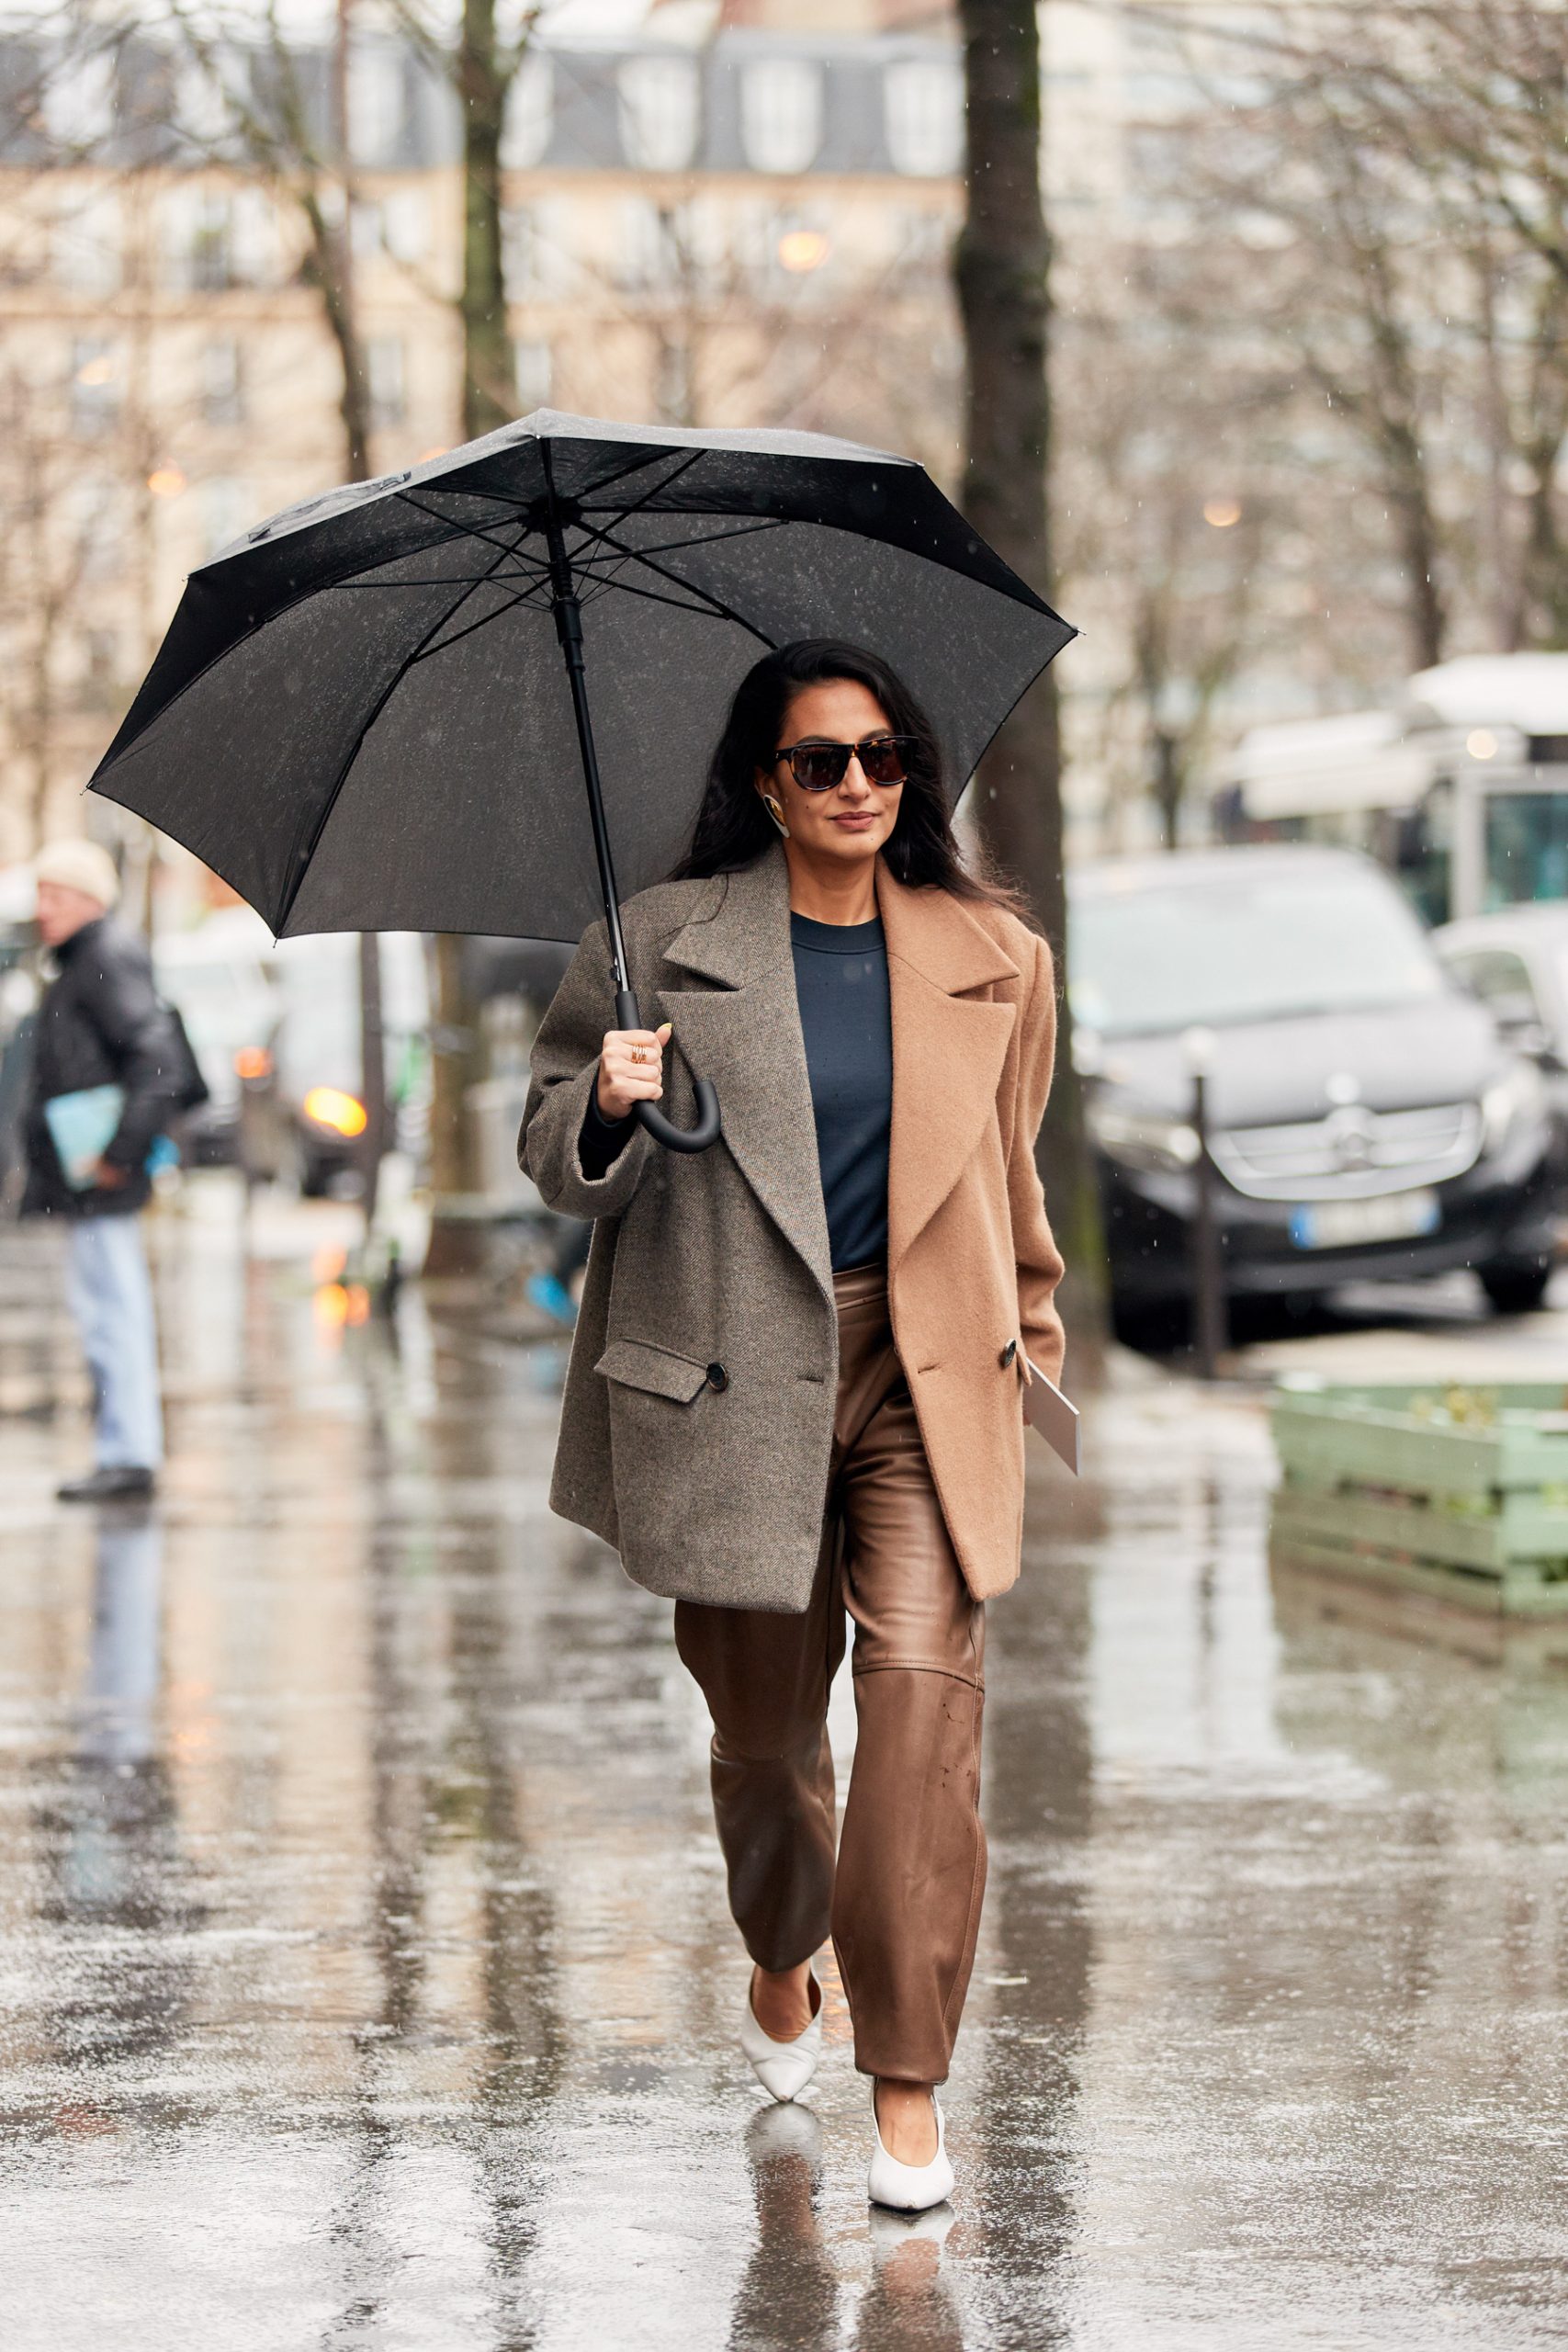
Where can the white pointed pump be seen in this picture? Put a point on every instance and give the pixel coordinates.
(908, 2188)
(783, 2068)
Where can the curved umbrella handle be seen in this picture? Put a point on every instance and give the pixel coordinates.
(707, 1129)
(674, 1138)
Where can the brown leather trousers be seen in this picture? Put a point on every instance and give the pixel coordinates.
(903, 1905)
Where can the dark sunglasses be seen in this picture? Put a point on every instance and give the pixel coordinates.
(818, 767)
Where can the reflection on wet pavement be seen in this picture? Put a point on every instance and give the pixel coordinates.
(368, 1979)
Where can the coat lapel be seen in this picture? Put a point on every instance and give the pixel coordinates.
(745, 1035)
(948, 1048)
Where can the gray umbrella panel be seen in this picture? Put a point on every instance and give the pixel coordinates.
(360, 716)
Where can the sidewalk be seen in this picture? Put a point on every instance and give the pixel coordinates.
(370, 1981)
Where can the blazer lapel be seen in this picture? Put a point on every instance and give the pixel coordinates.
(744, 1034)
(948, 1048)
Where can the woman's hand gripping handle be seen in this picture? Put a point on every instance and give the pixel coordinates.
(631, 1081)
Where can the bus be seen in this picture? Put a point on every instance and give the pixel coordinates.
(1460, 789)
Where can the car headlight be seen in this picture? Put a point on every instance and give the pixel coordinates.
(1142, 1138)
(329, 1106)
(1514, 1099)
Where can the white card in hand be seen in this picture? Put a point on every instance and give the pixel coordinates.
(1054, 1416)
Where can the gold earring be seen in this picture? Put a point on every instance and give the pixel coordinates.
(776, 813)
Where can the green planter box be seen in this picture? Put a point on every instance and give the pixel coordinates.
(1457, 1492)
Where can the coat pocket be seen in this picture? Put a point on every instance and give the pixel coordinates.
(636, 1364)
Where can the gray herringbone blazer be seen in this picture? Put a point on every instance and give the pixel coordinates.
(697, 1422)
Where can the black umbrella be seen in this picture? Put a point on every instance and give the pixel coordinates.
(360, 718)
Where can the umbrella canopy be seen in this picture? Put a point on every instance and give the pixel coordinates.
(360, 716)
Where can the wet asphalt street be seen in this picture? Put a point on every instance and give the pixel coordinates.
(367, 1979)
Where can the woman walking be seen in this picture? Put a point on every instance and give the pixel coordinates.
(795, 1389)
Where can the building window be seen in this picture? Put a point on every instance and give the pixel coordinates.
(100, 659)
(210, 255)
(674, 390)
(95, 516)
(85, 246)
(208, 92)
(648, 252)
(222, 391)
(533, 364)
(95, 385)
(385, 380)
(781, 114)
(253, 237)
(225, 511)
(78, 100)
(659, 106)
(405, 224)
(923, 107)
(535, 248)
(377, 105)
(530, 114)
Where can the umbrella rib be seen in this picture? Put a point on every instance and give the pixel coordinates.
(516, 505)
(484, 534)
(708, 610)
(713, 604)
(533, 576)
(709, 538)
(427, 653)
(653, 490)
(302, 862)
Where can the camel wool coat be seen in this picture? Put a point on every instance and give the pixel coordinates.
(698, 1413)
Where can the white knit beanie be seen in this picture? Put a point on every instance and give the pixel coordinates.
(76, 865)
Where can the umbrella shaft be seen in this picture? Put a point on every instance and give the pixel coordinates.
(568, 629)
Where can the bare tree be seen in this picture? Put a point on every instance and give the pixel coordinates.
(272, 122)
(1413, 164)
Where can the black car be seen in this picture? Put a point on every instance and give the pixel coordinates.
(1365, 1118)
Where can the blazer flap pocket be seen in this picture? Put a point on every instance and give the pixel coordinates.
(639, 1365)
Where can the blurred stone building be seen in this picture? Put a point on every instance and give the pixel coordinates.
(751, 230)
(740, 218)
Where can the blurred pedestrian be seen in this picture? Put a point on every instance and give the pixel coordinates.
(797, 1383)
(550, 1289)
(105, 1079)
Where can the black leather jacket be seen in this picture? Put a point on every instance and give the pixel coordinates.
(100, 1023)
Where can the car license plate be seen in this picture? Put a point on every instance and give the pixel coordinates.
(1341, 1225)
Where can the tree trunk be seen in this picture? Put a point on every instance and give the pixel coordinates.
(457, 1243)
(484, 71)
(1417, 528)
(334, 260)
(1169, 784)
(489, 388)
(1003, 276)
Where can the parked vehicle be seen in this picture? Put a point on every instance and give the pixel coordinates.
(1460, 786)
(276, 1027)
(1516, 963)
(219, 976)
(1365, 1117)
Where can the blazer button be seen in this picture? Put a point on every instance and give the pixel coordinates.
(1009, 1353)
(717, 1376)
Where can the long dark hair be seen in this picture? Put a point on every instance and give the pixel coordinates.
(733, 828)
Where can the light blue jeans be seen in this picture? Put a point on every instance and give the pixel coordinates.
(111, 1298)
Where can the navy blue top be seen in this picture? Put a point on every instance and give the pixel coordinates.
(846, 1019)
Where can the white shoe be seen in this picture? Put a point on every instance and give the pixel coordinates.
(908, 2188)
(783, 2068)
